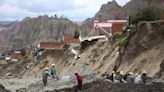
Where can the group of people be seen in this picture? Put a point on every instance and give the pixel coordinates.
(46, 74)
(119, 77)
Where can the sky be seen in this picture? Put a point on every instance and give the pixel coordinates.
(75, 10)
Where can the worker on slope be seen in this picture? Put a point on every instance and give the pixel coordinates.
(111, 76)
(80, 82)
(45, 76)
(144, 77)
(121, 74)
(117, 77)
(53, 71)
(130, 77)
(137, 79)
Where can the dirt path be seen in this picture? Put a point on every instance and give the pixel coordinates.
(34, 84)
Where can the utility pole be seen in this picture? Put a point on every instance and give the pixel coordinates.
(97, 28)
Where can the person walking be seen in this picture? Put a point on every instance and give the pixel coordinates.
(45, 76)
(80, 82)
(130, 77)
(138, 79)
(144, 77)
(53, 71)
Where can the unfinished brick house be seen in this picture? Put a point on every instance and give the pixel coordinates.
(109, 27)
(67, 39)
(16, 55)
(51, 45)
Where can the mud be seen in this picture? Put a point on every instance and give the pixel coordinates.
(91, 85)
(2, 89)
(104, 86)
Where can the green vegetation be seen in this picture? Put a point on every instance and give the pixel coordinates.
(77, 34)
(122, 39)
(147, 13)
(23, 51)
(29, 57)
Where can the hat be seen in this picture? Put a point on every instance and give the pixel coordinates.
(143, 71)
(136, 74)
(46, 68)
(76, 72)
(53, 64)
(121, 72)
(113, 71)
(131, 73)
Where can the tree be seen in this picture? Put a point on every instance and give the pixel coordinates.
(147, 13)
(76, 34)
(23, 51)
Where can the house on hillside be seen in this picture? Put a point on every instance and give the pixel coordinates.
(110, 26)
(103, 30)
(16, 55)
(51, 45)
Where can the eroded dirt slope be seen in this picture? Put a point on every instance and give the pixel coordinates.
(144, 52)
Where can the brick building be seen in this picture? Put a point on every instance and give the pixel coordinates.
(16, 55)
(68, 39)
(51, 45)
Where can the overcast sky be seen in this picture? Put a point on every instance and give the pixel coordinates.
(76, 10)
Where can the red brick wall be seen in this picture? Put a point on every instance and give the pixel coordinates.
(117, 28)
(70, 40)
(51, 45)
(16, 55)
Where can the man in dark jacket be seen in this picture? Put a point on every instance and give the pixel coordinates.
(80, 82)
(144, 77)
(45, 76)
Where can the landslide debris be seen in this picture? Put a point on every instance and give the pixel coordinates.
(2, 89)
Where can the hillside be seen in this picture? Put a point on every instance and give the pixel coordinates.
(143, 52)
(145, 48)
(131, 7)
(7, 29)
(108, 11)
(112, 11)
(30, 31)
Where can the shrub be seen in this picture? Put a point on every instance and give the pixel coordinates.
(147, 13)
(76, 34)
(23, 51)
(122, 39)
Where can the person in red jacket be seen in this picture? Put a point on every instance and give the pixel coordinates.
(80, 82)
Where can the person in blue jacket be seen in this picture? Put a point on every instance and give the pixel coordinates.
(53, 71)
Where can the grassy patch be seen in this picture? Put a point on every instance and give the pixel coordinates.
(122, 39)
(29, 57)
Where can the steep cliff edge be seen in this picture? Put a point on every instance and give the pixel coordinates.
(144, 51)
